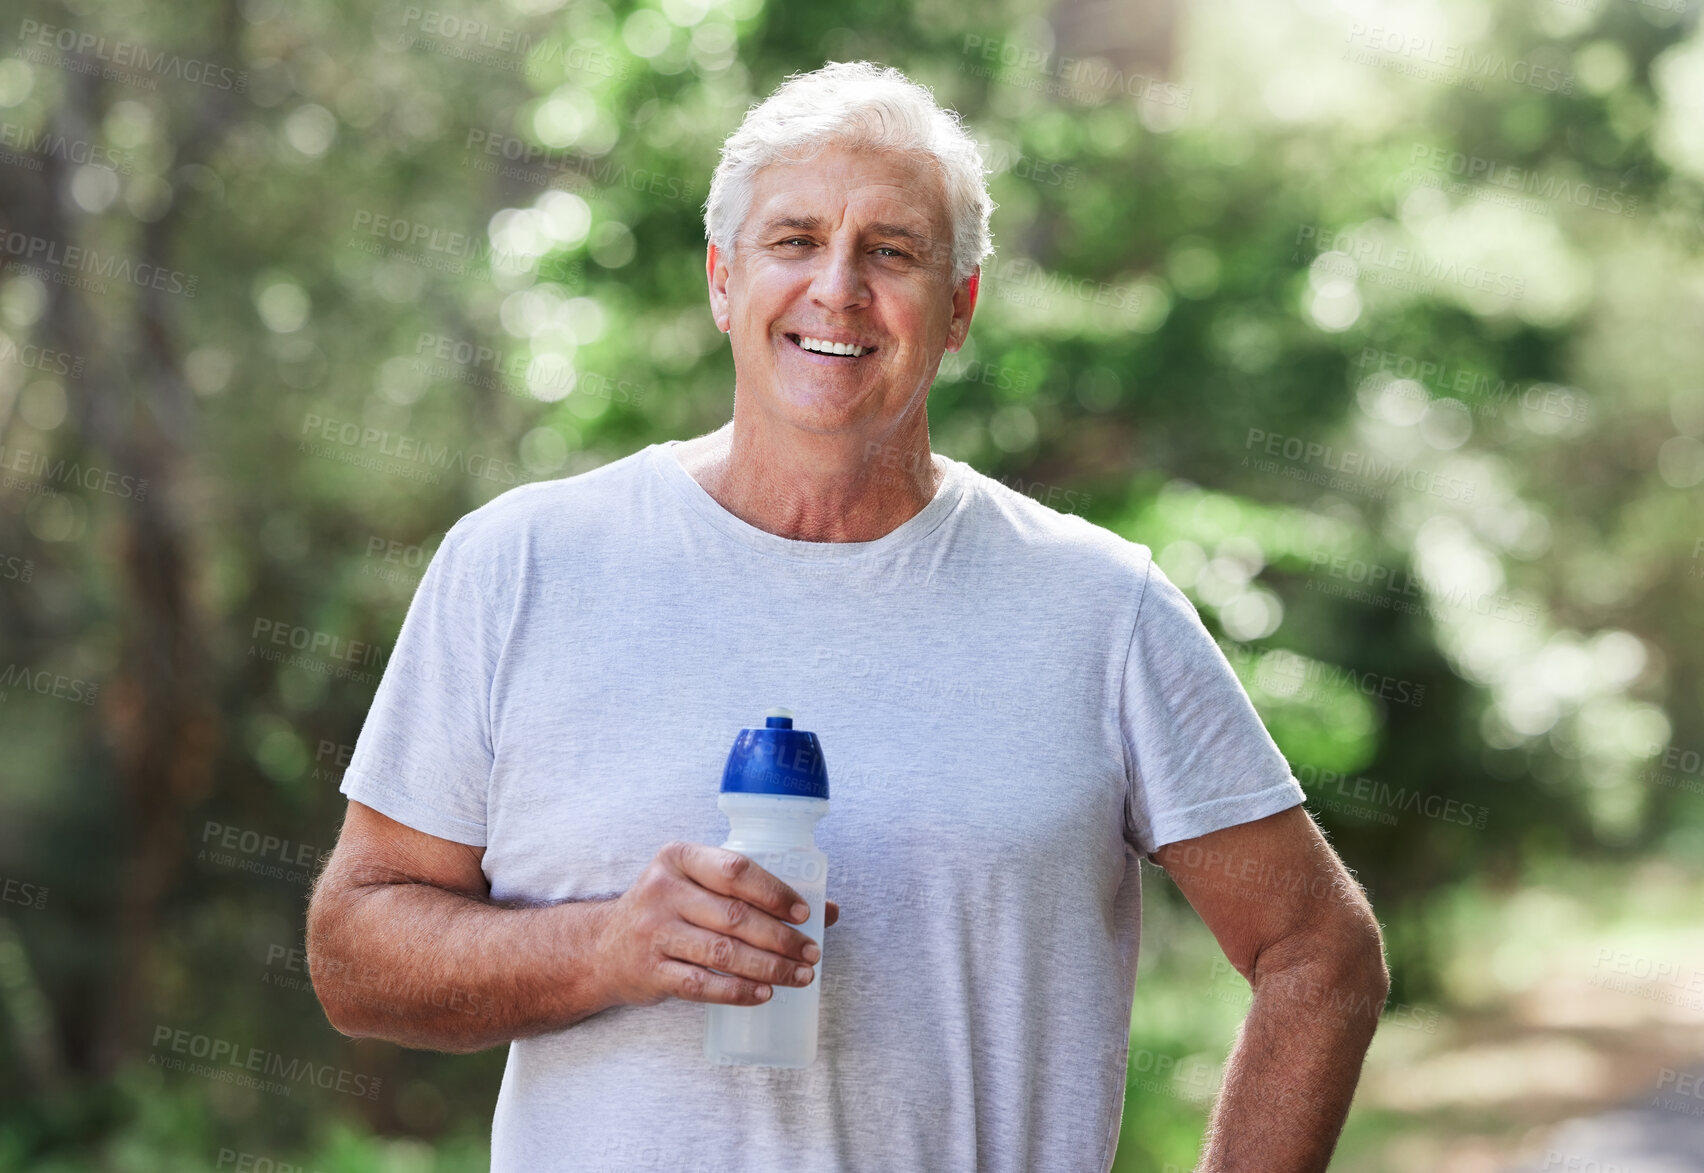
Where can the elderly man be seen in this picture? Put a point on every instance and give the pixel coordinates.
(1015, 705)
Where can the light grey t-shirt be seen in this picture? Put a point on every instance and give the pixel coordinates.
(1012, 704)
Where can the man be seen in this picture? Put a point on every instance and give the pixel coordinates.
(1015, 706)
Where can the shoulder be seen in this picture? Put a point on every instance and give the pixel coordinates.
(494, 542)
(1032, 522)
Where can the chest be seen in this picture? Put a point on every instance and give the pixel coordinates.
(950, 757)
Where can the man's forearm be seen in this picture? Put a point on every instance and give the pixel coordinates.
(439, 970)
(1293, 1071)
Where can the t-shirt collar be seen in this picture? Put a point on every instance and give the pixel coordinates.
(661, 459)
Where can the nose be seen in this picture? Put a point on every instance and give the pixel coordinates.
(839, 283)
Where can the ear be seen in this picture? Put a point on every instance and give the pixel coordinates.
(964, 304)
(716, 272)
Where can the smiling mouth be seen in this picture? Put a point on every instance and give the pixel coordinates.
(824, 349)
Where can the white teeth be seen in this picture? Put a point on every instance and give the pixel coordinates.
(821, 347)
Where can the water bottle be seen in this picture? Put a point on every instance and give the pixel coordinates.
(774, 789)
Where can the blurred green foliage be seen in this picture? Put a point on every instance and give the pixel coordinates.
(1305, 318)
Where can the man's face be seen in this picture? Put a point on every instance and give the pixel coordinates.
(855, 247)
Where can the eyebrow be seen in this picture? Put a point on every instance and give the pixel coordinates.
(812, 223)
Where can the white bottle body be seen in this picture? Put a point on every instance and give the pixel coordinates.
(777, 833)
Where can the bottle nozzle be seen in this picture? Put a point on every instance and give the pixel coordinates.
(778, 717)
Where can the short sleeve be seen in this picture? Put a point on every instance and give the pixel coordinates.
(1200, 758)
(424, 755)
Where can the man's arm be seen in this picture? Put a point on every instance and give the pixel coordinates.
(404, 942)
(1294, 922)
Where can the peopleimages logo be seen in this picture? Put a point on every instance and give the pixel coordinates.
(45, 683)
(1545, 186)
(262, 847)
(1463, 62)
(1397, 590)
(71, 264)
(1025, 282)
(1398, 266)
(427, 246)
(41, 358)
(1296, 677)
(408, 449)
(243, 1162)
(1091, 73)
(231, 1062)
(1345, 469)
(72, 473)
(499, 47)
(14, 891)
(1360, 795)
(1680, 768)
(533, 377)
(536, 163)
(126, 55)
(37, 145)
(1482, 394)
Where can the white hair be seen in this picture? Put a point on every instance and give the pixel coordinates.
(858, 105)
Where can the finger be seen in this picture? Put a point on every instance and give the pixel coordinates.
(693, 983)
(831, 913)
(732, 917)
(732, 874)
(714, 951)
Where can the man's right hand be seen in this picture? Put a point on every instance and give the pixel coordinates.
(697, 908)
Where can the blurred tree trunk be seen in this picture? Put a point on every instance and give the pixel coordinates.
(132, 407)
(1134, 39)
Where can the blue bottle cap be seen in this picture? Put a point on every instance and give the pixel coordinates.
(776, 759)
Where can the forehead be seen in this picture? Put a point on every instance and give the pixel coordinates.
(862, 185)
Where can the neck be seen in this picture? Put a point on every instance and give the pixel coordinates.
(815, 487)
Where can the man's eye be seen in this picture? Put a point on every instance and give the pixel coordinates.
(795, 240)
(888, 248)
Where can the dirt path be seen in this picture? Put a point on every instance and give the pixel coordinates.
(1582, 1050)
(1660, 1132)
